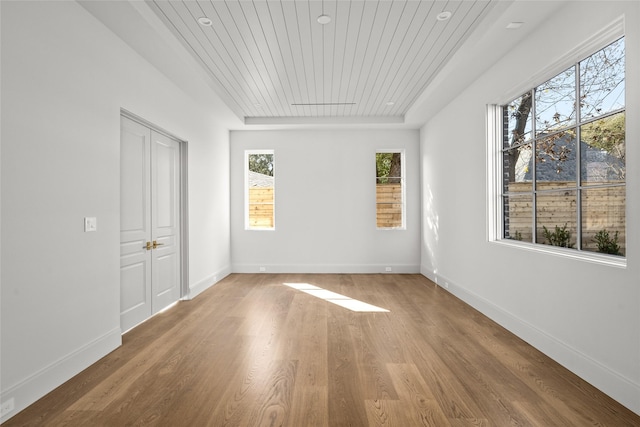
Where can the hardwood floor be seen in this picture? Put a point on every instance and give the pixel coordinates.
(253, 352)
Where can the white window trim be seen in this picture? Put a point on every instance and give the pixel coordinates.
(404, 188)
(247, 226)
(495, 226)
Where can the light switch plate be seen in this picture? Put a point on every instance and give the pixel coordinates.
(90, 223)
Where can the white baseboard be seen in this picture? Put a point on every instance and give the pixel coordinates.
(620, 388)
(204, 284)
(326, 268)
(42, 382)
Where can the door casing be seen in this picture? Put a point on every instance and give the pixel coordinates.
(183, 199)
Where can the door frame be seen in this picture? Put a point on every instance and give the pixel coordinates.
(184, 200)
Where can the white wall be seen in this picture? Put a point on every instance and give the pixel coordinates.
(584, 315)
(325, 203)
(65, 78)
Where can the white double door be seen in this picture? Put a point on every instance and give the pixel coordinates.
(149, 222)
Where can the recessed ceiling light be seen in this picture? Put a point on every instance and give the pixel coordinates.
(514, 25)
(324, 19)
(205, 22)
(390, 103)
(257, 105)
(443, 16)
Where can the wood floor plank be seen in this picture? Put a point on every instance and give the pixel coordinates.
(371, 361)
(205, 373)
(417, 399)
(306, 342)
(273, 405)
(251, 351)
(346, 405)
(310, 405)
(238, 400)
(383, 412)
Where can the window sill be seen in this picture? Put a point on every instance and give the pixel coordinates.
(592, 257)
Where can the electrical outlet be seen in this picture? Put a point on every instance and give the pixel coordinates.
(7, 407)
(263, 269)
(90, 224)
(387, 269)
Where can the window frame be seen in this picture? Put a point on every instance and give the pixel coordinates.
(494, 160)
(403, 182)
(247, 221)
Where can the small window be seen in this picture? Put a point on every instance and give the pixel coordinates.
(260, 190)
(563, 174)
(390, 189)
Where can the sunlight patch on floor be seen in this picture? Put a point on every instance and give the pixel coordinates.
(338, 299)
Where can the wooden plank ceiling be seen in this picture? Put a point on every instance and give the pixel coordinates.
(273, 59)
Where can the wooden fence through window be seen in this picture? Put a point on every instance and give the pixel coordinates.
(602, 208)
(388, 203)
(261, 207)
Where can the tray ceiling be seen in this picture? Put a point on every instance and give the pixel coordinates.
(273, 60)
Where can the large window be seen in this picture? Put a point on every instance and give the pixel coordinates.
(563, 158)
(260, 190)
(390, 189)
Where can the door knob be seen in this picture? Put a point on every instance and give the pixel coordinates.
(156, 244)
(148, 246)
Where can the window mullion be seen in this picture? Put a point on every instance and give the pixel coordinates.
(534, 156)
(578, 162)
